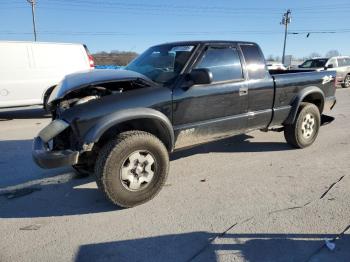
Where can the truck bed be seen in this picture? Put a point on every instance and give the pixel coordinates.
(291, 83)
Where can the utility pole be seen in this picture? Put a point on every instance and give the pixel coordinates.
(32, 2)
(286, 19)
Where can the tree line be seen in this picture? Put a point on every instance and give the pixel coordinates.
(330, 53)
(119, 58)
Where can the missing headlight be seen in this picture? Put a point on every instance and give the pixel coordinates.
(86, 99)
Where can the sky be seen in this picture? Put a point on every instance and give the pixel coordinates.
(134, 25)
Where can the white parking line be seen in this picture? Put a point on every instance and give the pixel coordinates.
(63, 178)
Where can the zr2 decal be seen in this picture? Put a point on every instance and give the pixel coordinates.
(326, 79)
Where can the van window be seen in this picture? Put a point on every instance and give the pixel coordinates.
(255, 61)
(223, 62)
(13, 56)
(342, 62)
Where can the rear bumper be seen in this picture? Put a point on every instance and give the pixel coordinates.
(45, 158)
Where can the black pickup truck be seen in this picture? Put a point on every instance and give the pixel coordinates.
(121, 125)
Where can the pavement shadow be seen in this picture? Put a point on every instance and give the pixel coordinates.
(58, 198)
(23, 113)
(17, 166)
(76, 197)
(235, 144)
(199, 246)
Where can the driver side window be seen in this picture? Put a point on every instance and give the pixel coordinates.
(223, 62)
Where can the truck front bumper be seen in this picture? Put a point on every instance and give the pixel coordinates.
(46, 158)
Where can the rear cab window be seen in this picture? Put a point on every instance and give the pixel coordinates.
(224, 63)
(255, 61)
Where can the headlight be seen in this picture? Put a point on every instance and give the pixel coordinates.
(52, 130)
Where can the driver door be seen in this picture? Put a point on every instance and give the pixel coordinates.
(206, 112)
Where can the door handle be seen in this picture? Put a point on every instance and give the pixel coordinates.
(243, 91)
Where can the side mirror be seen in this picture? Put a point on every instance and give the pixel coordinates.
(201, 76)
(329, 66)
(299, 66)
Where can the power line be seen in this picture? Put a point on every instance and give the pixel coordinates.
(170, 7)
(32, 3)
(286, 19)
(119, 33)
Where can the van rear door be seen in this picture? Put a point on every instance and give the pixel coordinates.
(29, 69)
(16, 71)
(52, 62)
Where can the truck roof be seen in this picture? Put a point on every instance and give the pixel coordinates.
(339, 56)
(196, 42)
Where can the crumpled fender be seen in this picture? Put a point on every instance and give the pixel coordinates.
(104, 123)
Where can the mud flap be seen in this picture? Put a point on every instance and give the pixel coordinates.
(325, 120)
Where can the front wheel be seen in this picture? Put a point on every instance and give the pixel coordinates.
(303, 132)
(132, 169)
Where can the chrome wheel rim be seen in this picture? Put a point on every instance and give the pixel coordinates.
(137, 170)
(347, 81)
(308, 126)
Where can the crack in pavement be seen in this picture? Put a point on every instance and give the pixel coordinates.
(289, 208)
(274, 212)
(211, 240)
(307, 203)
(331, 186)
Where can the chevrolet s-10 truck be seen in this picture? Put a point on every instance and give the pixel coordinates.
(122, 125)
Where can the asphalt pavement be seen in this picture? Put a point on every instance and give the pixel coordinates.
(248, 198)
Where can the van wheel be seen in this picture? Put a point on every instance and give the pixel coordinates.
(347, 82)
(303, 132)
(46, 98)
(132, 169)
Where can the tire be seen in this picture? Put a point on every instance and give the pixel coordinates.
(125, 164)
(346, 82)
(303, 132)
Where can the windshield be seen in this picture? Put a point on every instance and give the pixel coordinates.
(314, 63)
(163, 63)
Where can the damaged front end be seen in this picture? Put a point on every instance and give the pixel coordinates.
(88, 93)
(61, 143)
(43, 154)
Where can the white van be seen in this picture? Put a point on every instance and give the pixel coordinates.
(30, 70)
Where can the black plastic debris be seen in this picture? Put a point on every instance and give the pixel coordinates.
(21, 192)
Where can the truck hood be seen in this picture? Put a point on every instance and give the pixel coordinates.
(83, 79)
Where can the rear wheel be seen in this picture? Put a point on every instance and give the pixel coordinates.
(303, 132)
(347, 82)
(132, 169)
